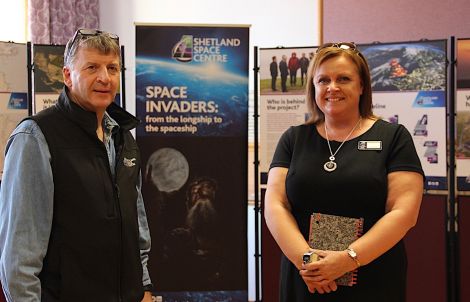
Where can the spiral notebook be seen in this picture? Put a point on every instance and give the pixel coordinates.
(335, 233)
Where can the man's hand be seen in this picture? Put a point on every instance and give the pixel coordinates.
(147, 297)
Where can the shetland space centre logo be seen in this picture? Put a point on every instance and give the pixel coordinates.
(183, 50)
(202, 49)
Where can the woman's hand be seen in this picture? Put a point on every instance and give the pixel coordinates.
(317, 287)
(320, 275)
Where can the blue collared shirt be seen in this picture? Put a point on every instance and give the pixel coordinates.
(26, 210)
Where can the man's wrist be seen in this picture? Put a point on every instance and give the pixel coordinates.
(148, 287)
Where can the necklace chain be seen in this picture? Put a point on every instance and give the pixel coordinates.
(331, 165)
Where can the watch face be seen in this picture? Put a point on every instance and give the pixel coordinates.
(307, 257)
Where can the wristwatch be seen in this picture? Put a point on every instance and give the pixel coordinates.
(309, 257)
(353, 255)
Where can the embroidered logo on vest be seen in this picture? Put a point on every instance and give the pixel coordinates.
(129, 162)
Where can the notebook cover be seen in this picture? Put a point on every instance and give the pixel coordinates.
(335, 233)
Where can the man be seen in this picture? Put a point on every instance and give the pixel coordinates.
(72, 220)
(303, 61)
(284, 72)
(293, 66)
(273, 69)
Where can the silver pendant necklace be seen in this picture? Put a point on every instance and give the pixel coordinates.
(330, 165)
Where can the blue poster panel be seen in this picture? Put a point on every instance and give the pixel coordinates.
(192, 99)
(13, 91)
(409, 87)
(462, 140)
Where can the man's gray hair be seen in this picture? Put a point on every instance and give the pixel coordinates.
(102, 42)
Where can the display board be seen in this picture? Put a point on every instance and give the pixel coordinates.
(409, 84)
(282, 96)
(192, 98)
(48, 82)
(462, 141)
(13, 91)
(409, 87)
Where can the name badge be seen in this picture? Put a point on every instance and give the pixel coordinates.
(369, 145)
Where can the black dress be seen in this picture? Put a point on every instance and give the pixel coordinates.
(357, 188)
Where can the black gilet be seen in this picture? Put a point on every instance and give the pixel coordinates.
(93, 252)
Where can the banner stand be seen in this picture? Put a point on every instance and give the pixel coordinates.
(256, 169)
(123, 80)
(453, 271)
(30, 78)
(192, 96)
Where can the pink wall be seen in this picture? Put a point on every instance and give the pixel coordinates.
(366, 21)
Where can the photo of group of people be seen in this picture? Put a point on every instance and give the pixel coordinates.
(287, 72)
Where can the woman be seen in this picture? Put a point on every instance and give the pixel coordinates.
(343, 161)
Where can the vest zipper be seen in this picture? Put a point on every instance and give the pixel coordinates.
(116, 171)
(118, 210)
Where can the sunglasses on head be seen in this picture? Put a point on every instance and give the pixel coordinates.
(340, 45)
(85, 32)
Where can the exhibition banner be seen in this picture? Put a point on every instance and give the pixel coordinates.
(409, 87)
(48, 82)
(192, 99)
(462, 141)
(13, 91)
(283, 77)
